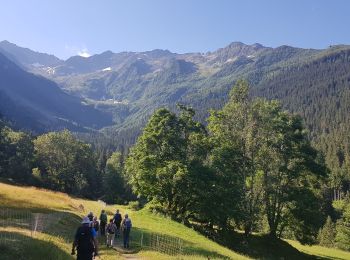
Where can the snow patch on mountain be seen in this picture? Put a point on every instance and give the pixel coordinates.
(50, 70)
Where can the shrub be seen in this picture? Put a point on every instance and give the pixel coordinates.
(326, 235)
(135, 205)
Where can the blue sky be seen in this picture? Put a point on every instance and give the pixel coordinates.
(69, 27)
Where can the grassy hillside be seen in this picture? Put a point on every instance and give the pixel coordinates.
(61, 214)
(56, 239)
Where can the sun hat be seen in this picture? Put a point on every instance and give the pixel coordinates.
(86, 220)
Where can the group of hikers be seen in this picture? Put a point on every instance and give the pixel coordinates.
(85, 240)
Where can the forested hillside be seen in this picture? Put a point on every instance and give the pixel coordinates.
(252, 169)
(130, 86)
(37, 104)
(320, 92)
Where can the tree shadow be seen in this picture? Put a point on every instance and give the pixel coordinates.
(264, 247)
(143, 239)
(15, 245)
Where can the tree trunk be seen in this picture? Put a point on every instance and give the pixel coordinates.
(273, 232)
(247, 229)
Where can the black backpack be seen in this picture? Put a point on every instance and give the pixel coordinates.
(85, 240)
(110, 229)
(117, 218)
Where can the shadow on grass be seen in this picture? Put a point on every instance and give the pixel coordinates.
(142, 239)
(18, 246)
(265, 247)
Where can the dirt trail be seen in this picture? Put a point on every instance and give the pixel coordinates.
(126, 254)
(131, 256)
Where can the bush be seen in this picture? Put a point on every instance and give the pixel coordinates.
(343, 230)
(326, 235)
(135, 205)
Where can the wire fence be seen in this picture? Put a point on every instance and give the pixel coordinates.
(11, 220)
(164, 244)
(148, 241)
(14, 221)
(169, 246)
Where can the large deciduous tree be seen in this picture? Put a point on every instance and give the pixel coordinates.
(233, 131)
(66, 164)
(16, 154)
(113, 179)
(275, 169)
(20, 155)
(166, 165)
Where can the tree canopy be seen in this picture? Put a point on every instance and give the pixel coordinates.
(66, 164)
(253, 164)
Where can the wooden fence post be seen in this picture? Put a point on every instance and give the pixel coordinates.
(141, 239)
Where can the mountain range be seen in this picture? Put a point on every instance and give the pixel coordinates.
(118, 91)
(37, 104)
(133, 84)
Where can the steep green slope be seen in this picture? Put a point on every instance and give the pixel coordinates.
(28, 57)
(59, 215)
(56, 239)
(35, 103)
(319, 91)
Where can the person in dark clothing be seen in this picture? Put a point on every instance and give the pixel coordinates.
(85, 241)
(96, 224)
(126, 226)
(117, 221)
(103, 222)
(91, 216)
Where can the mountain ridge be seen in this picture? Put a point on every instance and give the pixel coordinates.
(27, 56)
(132, 85)
(35, 103)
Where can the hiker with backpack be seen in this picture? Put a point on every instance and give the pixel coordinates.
(117, 221)
(91, 216)
(95, 224)
(103, 222)
(126, 226)
(110, 230)
(85, 241)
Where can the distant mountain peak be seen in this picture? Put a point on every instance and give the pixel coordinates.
(6, 42)
(158, 53)
(257, 45)
(27, 56)
(236, 44)
(235, 50)
(106, 53)
(35, 103)
(243, 45)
